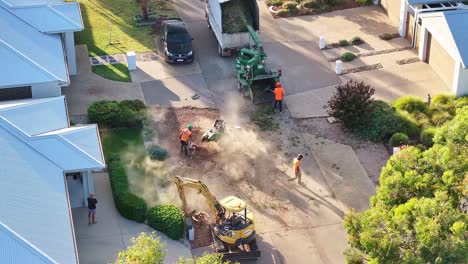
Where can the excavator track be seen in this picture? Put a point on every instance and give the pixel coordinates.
(234, 253)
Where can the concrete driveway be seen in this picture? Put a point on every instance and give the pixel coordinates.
(100, 243)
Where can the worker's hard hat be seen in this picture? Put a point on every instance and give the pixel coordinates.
(278, 84)
(190, 127)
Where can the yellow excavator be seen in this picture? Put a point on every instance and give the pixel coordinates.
(233, 230)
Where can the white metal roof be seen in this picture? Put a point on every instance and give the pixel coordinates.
(18, 250)
(31, 51)
(458, 24)
(33, 190)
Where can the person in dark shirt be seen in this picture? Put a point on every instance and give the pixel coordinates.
(91, 208)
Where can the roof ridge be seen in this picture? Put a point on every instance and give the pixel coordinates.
(33, 101)
(29, 245)
(30, 61)
(50, 7)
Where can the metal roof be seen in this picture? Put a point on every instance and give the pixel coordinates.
(420, 2)
(30, 49)
(15, 249)
(457, 22)
(32, 176)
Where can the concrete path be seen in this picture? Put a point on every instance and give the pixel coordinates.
(101, 242)
(87, 87)
(343, 172)
(311, 103)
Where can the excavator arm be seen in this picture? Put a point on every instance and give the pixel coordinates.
(216, 209)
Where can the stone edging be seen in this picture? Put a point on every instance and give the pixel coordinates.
(373, 53)
(408, 61)
(362, 68)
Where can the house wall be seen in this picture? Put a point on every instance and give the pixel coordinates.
(392, 8)
(460, 83)
(46, 90)
(70, 52)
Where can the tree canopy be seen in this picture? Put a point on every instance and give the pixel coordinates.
(146, 249)
(419, 214)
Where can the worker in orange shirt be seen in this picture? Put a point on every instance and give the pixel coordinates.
(184, 136)
(297, 168)
(279, 93)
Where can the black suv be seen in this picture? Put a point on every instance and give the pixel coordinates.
(177, 42)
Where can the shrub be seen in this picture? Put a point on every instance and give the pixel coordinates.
(128, 113)
(356, 41)
(289, 5)
(283, 13)
(382, 123)
(348, 56)
(105, 113)
(131, 206)
(410, 104)
(275, 2)
(352, 256)
(145, 249)
(168, 219)
(351, 104)
(461, 102)
(442, 99)
(427, 136)
(408, 124)
(387, 36)
(440, 118)
(157, 153)
(398, 139)
(343, 43)
(135, 105)
(310, 3)
(214, 258)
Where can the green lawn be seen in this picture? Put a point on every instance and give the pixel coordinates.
(99, 16)
(117, 72)
(122, 140)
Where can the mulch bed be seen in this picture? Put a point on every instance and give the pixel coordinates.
(373, 53)
(408, 61)
(310, 11)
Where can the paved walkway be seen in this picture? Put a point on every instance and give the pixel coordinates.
(101, 242)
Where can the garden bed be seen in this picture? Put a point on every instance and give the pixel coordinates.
(285, 8)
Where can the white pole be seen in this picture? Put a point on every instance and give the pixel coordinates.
(338, 67)
(322, 42)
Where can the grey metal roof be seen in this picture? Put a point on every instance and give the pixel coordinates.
(458, 24)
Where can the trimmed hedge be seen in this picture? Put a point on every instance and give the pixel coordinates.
(168, 219)
(128, 113)
(128, 204)
(398, 139)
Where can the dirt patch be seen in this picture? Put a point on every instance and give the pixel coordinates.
(373, 156)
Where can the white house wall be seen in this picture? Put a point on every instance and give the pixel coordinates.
(70, 52)
(46, 90)
(460, 84)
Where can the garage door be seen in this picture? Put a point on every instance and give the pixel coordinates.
(441, 62)
(392, 8)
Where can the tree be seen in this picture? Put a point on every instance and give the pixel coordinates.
(419, 214)
(146, 249)
(214, 258)
(144, 9)
(351, 104)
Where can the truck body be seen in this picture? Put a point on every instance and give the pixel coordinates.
(228, 43)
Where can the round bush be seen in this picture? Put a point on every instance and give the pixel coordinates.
(310, 3)
(427, 136)
(134, 105)
(157, 153)
(343, 43)
(440, 118)
(410, 104)
(348, 56)
(131, 206)
(104, 113)
(461, 102)
(168, 219)
(442, 99)
(398, 139)
(289, 5)
(386, 36)
(356, 41)
(275, 2)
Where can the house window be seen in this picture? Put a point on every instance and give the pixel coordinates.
(15, 93)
